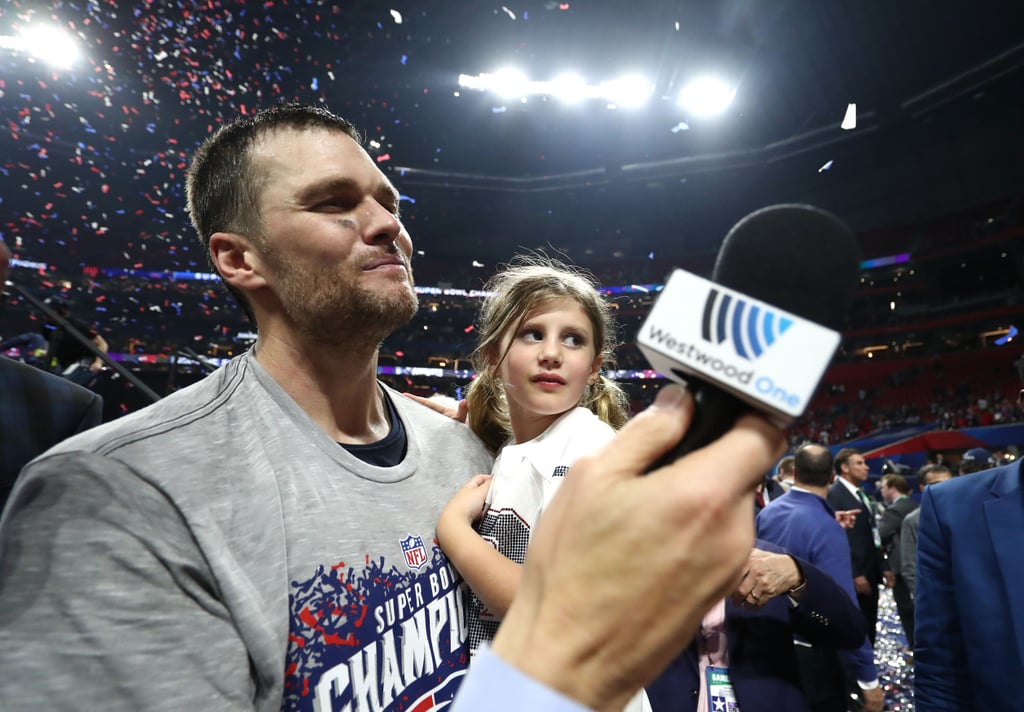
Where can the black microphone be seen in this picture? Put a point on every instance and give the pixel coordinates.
(761, 333)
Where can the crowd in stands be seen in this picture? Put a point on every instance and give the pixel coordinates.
(919, 341)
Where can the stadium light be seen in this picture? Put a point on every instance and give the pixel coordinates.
(570, 89)
(44, 42)
(706, 96)
(629, 91)
(510, 84)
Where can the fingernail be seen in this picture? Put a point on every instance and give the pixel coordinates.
(671, 396)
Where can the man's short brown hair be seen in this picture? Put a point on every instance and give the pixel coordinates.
(223, 185)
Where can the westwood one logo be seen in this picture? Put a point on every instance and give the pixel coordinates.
(750, 329)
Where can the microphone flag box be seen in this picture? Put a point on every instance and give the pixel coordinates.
(764, 355)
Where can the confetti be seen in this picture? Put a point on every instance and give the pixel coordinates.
(850, 119)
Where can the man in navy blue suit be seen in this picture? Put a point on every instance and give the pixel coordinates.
(866, 559)
(39, 409)
(969, 651)
(779, 596)
(804, 524)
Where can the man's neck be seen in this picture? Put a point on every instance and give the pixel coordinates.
(850, 482)
(820, 491)
(336, 388)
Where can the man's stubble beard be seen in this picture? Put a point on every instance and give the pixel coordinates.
(327, 306)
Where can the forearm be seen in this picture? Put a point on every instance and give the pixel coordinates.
(826, 614)
(573, 662)
(493, 577)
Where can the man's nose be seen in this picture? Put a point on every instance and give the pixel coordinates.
(381, 225)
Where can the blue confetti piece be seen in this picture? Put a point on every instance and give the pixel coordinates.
(498, 110)
(314, 85)
(406, 198)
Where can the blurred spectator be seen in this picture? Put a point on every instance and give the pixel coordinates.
(864, 540)
(975, 460)
(39, 410)
(927, 475)
(72, 358)
(896, 495)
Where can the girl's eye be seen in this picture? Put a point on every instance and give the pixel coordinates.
(531, 335)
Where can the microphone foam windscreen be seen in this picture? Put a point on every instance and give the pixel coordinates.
(796, 257)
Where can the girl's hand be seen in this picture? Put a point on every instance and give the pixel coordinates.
(468, 502)
(465, 508)
(448, 407)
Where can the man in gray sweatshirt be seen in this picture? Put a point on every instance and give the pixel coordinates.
(263, 539)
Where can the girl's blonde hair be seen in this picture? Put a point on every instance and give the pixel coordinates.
(518, 290)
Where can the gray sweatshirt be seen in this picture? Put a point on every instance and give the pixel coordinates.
(217, 550)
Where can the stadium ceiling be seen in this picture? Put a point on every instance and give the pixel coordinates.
(936, 84)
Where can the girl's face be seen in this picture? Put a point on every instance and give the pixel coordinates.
(548, 363)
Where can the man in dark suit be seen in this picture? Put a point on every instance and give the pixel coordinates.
(928, 475)
(970, 584)
(768, 491)
(803, 523)
(780, 596)
(864, 539)
(38, 409)
(896, 494)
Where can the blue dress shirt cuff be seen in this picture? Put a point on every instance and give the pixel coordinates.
(494, 685)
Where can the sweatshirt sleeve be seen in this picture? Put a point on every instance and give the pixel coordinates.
(106, 600)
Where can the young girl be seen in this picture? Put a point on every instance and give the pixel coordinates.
(540, 400)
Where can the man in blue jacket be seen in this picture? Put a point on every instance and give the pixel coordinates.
(969, 651)
(804, 524)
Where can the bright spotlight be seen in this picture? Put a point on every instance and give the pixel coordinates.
(510, 84)
(628, 91)
(569, 89)
(706, 96)
(51, 45)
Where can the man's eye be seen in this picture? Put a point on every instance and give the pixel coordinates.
(333, 205)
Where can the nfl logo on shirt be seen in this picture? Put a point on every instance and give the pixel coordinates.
(415, 553)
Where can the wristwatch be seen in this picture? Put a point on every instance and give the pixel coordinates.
(794, 593)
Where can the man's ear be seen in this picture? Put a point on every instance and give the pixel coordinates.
(237, 260)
